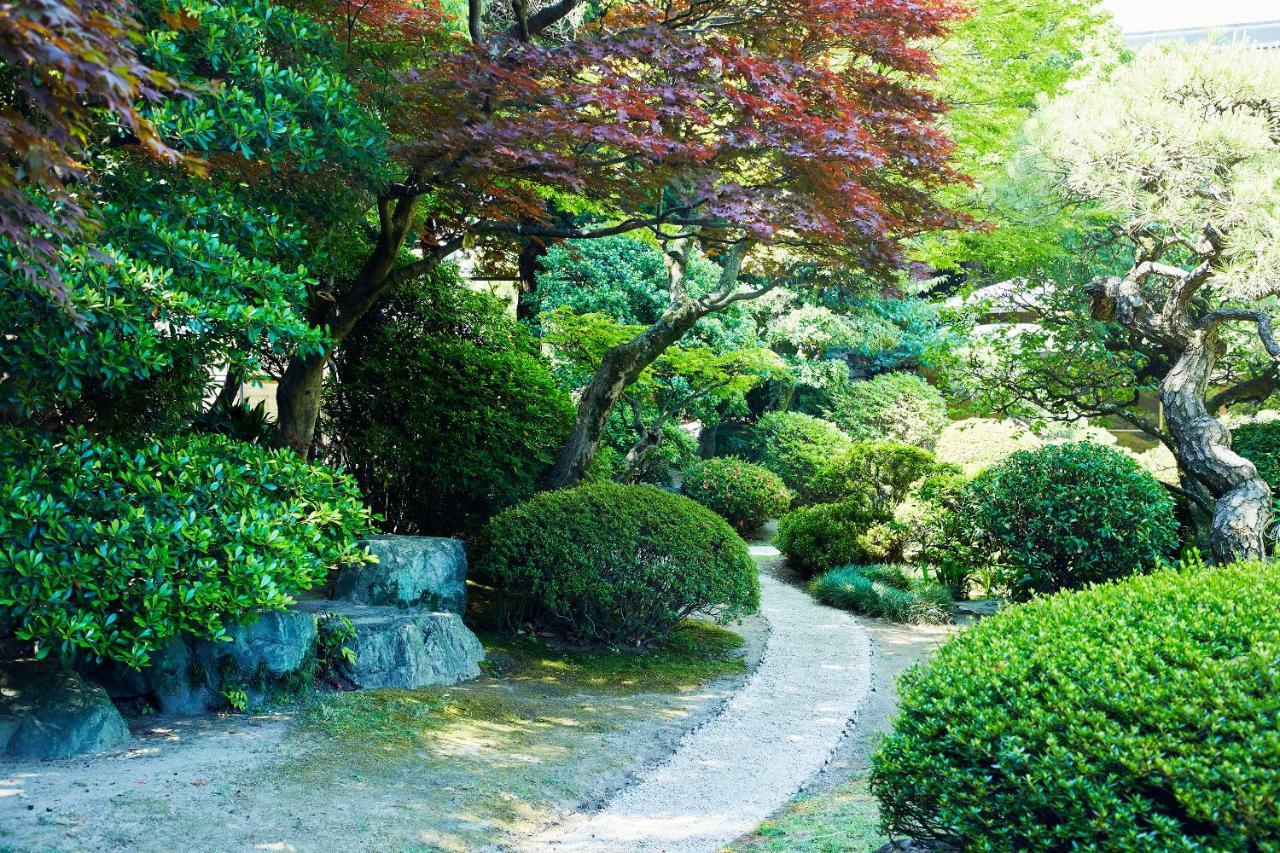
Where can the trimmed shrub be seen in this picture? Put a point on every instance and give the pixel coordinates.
(877, 472)
(1259, 442)
(883, 591)
(1133, 716)
(1063, 516)
(892, 406)
(613, 563)
(819, 537)
(111, 548)
(796, 447)
(445, 411)
(745, 495)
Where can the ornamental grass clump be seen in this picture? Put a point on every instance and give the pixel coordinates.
(1139, 715)
(745, 495)
(615, 564)
(884, 591)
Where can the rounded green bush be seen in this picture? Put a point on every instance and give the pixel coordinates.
(745, 495)
(819, 537)
(884, 591)
(892, 406)
(796, 447)
(446, 412)
(877, 472)
(1060, 517)
(613, 563)
(1140, 715)
(1260, 443)
(111, 548)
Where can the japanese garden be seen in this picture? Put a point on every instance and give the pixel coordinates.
(638, 425)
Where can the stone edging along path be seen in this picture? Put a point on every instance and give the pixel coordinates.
(751, 759)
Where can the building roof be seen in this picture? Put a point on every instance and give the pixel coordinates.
(1264, 34)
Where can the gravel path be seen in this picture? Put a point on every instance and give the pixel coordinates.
(748, 761)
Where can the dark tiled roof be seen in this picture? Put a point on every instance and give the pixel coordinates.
(1265, 34)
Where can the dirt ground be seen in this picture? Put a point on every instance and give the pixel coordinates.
(471, 767)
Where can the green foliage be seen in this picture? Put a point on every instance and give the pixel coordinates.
(796, 447)
(745, 495)
(884, 591)
(110, 548)
(613, 563)
(445, 412)
(878, 473)
(1139, 715)
(819, 537)
(1259, 442)
(1063, 516)
(895, 406)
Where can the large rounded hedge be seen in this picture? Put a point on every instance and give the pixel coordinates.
(613, 563)
(796, 447)
(1062, 516)
(1260, 443)
(892, 406)
(109, 548)
(1141, 715)
(745, 495)
(445, 412)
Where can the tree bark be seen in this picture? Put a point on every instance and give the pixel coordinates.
(298, 403)
(621, 366)
(1242, 515)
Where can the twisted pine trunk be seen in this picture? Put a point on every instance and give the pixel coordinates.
(1243, 512)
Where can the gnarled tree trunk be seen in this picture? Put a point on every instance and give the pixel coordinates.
(1243, 512)
(621, 366)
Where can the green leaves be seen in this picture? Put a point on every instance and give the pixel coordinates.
(111, 548)
(1139, 715)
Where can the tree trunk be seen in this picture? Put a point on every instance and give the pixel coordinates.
(707, 440)
(1243, 512)
(621, 366)
(298, 403)
(638, 453)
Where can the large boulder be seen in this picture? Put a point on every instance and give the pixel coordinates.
(412, 572)
(272, 646)
(405, 649)
(47, 711)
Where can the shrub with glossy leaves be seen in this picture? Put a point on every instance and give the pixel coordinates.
(1062, 516)
(613, 563)
(110, 548)
(819, 537)
(894, 406)
(1132, 716)
(745, 495)
(796, 447)
(884, 591)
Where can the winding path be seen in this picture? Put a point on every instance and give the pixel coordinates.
(748, 761)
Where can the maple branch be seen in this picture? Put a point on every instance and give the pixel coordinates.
(525, 229)
(426, 263)
(541, 19)
(475, 24)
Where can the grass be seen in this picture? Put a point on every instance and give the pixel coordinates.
(844, 819)
(884, 591)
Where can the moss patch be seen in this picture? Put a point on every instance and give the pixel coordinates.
(844, 819)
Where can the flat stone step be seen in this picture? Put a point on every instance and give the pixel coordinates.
(402, 648)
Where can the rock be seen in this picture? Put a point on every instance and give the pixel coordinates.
(412, 571)
(47, 711)
(405, 649)
(274, 645)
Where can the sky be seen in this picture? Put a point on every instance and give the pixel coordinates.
(1172, 14)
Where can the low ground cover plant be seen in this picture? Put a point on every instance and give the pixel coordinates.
(1139, 715)
(615, 564)
(745, 495)
(1060, 517)
(108, 548)
(890, 592)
